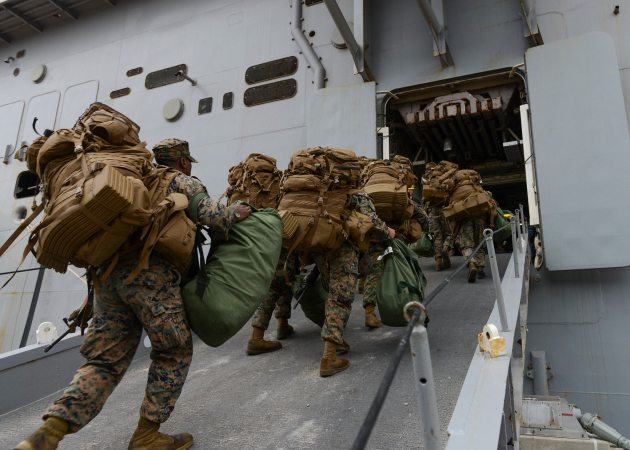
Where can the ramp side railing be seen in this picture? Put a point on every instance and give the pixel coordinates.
(415, 334)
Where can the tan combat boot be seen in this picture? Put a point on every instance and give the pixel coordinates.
(472, 272)
(147, 437)
(446, 261)
(371, 321)
(330, 364)
(46, 437)
(343, 348)
(439, 263)
(257, 344)
(284, 330)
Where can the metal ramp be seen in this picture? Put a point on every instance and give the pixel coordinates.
(278, 400)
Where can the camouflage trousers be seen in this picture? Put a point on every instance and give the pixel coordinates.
(372, 279)
(278, 297)
(339, 270)
(438, 228)
(469, 236)
(151, 301)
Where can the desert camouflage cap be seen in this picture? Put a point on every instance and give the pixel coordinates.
(172, 148)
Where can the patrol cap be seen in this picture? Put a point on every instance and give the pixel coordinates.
(172, 148)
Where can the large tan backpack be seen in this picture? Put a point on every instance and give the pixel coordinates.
(100, 188)
(468, 198)
(437, 181)
(387, 183)
(315, 190)
(256, 180)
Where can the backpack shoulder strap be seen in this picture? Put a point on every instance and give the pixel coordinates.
(25, 223)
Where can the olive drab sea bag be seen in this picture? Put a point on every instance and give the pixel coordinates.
(314, 197)
(101, 195)
(238, 273)
(387, 182)
(256, 181)
(424, 245)
(312, 300)
(401, 283)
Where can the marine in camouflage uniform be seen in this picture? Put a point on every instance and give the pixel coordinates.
(469, 236)
(339, 271)
(151, 301)
(439, 229)
(278, 297)
(438, 225)
(374, 276)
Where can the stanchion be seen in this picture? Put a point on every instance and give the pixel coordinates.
(425, 386)
(515, 248)
(518, 226)
(492, 256)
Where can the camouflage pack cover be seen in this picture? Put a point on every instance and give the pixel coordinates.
(256, 181)
(387, 183)
(100, 188)
(437, 181)
(468, 198)
(314, 197)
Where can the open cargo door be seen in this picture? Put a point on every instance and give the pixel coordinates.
(581, 152)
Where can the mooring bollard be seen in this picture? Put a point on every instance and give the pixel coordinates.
(492, 256)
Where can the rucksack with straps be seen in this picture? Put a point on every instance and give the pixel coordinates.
(468, 198)
(314, 196)
(256, 181)
(386, 182)
(100, 188)
(437, 181)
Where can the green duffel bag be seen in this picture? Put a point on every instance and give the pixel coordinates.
(313, 301)
(224, 295)
(502, 229)
(424, 245)
(401, 283)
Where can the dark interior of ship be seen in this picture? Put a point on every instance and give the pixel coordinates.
(472, 121)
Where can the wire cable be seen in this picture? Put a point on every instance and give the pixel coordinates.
(377, 404)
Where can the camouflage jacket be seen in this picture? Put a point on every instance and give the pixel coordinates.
(210, 212)
(420, 216)
(364, 204)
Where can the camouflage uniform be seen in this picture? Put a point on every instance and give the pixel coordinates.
(151, 301)
(377, 249)
(438, 228)
(469, 236)
(339, 270)
(279, 296)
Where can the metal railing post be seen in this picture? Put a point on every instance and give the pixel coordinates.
(496, 278)
(522, 217)
(425, 387)
(515, 248)
(518, 226)
(526, 238)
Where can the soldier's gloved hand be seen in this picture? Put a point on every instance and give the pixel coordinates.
(392, 233)
(241, 212)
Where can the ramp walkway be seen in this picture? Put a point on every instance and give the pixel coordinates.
(279, 401)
